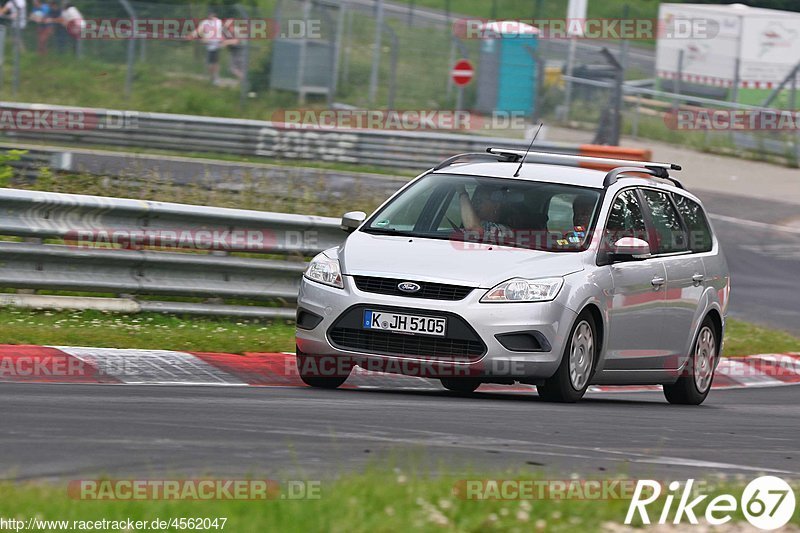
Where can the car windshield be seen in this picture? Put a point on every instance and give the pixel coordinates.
(519, 213)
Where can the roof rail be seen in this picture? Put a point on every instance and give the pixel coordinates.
(478, 156)
(657, 172)
(655, 169)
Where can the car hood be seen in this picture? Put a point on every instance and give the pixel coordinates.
(447, 261)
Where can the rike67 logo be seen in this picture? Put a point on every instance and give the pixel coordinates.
(767, 502)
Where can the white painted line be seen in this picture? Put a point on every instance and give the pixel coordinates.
(754, 224)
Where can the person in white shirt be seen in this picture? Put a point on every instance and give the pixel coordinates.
(209, 31)
(72, 20)
(16, 12)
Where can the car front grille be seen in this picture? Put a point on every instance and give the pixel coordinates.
(461, 343)
(433, 291)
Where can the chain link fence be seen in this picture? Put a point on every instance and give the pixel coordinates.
(368, 54)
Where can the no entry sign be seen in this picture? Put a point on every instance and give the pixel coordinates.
(462, 72)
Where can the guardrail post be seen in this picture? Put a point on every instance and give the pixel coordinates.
(676, 88)
(392, 65)
(131, 48)
(635, 121)
(792, 108)
(337, 51)
(376, 53)
(735, 88)
(244, 83)
(17, 47)
(2, 55)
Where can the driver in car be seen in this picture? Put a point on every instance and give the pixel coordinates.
(480, 214)
(582, 208)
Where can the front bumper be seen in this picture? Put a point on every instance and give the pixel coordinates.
(551, 320)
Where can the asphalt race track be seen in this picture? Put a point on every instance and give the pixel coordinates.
(71, 431)
(74, 431)
(763, 257)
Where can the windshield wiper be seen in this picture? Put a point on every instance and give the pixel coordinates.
(389, 231)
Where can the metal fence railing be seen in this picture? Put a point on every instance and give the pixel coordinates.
(198, 134)
(247, 262)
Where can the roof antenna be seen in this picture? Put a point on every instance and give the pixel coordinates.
(516, 174)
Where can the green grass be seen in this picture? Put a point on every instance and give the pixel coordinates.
(744, 338)
(145, 330)
(379, 500)
(206, 334)
(259, 194)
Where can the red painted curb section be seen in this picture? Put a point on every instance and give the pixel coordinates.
(45, 364)
(265, 369)
(41, 364)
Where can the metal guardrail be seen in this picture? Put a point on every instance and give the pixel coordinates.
(764, 142)
(210, 264)
(275, 140)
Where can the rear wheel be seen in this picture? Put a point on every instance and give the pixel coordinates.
(695, 383)
(462, 385)
(322, 374)
(571, 380)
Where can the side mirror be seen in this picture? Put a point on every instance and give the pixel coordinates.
(352, 220)
(630, 249)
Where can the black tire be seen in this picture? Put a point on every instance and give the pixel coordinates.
(307, 362)
(462, 385)
(693, 386)
(561, 387)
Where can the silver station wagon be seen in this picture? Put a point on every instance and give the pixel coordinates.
(513, 266)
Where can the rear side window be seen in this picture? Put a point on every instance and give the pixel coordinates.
(696, 224)
(625, 219)
(670, 235)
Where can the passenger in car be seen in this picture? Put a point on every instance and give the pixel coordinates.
(582, 208)
(482, 213)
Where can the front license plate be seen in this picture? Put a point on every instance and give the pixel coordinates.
(423, 325)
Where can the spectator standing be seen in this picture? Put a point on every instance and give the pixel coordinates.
(44, 29)
(236, 48)
(72, 21)
(210, 33)
(16, 11)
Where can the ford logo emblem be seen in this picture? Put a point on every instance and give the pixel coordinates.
(408, 286)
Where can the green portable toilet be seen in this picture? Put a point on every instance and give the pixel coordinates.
(507, 68)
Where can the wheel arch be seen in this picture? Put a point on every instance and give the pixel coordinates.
(599, 323)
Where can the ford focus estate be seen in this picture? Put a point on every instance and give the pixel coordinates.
(508, 266)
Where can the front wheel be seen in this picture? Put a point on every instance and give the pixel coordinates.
(571, 380)
(314, 371)
(695, 383)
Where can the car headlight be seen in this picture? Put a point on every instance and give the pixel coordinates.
(525, 290)
(325, 270)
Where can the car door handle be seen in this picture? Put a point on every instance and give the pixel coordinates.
(697, 279)
(657, 282)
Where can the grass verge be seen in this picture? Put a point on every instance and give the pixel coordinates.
(745, 338)
(377, 500)
(151, 331)
(207, 334)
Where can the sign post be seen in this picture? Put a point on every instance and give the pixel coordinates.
(462, 75)
(576, 10)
